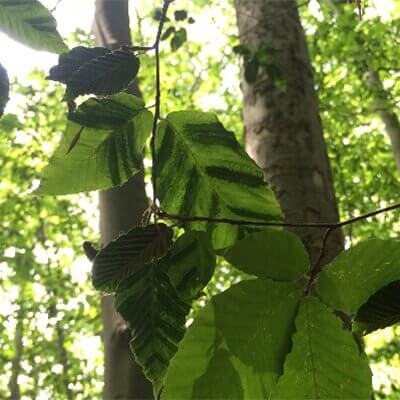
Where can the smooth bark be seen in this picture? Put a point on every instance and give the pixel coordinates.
(120, 209)
(283, 127)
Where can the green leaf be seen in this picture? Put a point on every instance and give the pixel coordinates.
(356, 274)
(180, 15)
(168, 33)
(191, 264)
(238, 342)
(30, 23)
(102, 158)
(128, 253)
(202, 171)
(272, 254)
(325, 361)
(4, 89)
(95, 71)
(381, 310)
(108, 113)
(179, 38)
(157, 315)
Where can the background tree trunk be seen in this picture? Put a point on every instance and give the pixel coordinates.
(283, 128)
(120, 209)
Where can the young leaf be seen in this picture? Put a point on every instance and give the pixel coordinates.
(191, 264)
(180, 15)
(237, 344)
(96, 71)
(168, 33)
(30, 23)
(272, 254)
(128, 253)
(4, 89)
(157, 315)
(356, 274)
(325, 362)
(202, 170)
(106, 154)
(179, 38)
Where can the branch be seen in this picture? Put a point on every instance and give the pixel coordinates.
(156, 47)
(331, 225)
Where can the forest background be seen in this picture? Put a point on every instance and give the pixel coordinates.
(49, 313)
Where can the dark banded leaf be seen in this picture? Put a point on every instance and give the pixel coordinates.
(128, 253)
(4, 89)
(108, 148)
(325, 361)
(106, 74)
(351, 278)
(69, 63)
(156, 315)
(238, 341)
(272, 254)
(190, 264)
(203, 171)
(32, 24)
(381, 310)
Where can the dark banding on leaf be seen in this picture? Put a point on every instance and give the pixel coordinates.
(237, 177)
(113, 161)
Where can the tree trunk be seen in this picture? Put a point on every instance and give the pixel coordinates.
(281, 116)
(389, 119)
(120, 209)
(380, 95)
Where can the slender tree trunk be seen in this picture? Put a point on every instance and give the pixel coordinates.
(120, 209)
(389, 119)
(380, 95)
(15, 393)
(283, 127)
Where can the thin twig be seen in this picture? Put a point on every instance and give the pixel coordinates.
(156, 47)
(331, 225)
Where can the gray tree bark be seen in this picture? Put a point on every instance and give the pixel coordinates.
(120, 209)
(283, 127)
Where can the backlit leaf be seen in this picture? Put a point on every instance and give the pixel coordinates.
(355, 275)
(128, 253)
(325, 361)
(238, 342)
(202, 171)
(32, 24)
(106, 155)
(273, 254)
(156, 315)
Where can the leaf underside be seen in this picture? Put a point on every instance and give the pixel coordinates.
(30, 23)
(381, 310)
(156, 315)
(129, 253)
(96, 71)
(202, 171)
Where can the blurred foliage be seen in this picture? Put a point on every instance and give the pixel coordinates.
(44, 291)
(43, 275)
